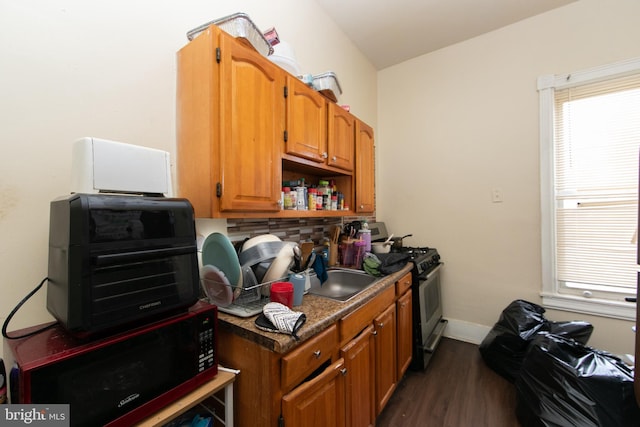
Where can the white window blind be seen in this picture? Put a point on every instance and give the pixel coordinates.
(597, 137)
(590, 142)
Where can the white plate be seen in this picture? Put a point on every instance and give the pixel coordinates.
(216, 285)
(280, 265)
(217, 250)
(263, 238)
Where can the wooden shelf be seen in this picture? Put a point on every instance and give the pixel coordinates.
(224, 380)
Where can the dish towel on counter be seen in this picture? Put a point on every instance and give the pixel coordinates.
(372, 264)
(276, 317)
(393, 262)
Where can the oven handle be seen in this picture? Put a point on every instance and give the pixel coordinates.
(431, 273)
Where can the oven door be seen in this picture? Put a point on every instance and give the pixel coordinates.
(430, 309)
(428, 324)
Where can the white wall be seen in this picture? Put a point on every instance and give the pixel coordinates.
(458, 122)
(74, 68)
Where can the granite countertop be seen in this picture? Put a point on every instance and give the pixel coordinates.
(321, 313)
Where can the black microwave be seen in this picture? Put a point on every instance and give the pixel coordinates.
(118, 380)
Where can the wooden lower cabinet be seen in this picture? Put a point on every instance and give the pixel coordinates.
(359, 359)
(404, 332)
(386, 371)
(319, 402)
(342, 376)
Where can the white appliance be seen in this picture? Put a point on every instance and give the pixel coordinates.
(103, 166)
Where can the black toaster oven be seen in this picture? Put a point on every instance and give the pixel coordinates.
(118, 259)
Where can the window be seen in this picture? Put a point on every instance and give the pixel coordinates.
(589, 162)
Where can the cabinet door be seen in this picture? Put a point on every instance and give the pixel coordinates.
(341, 137)
(251, 129)
(386, 370)
(197, 116)
(404, 332)
(359, 360)
(365, 168)
(318, 402)
(306, 122)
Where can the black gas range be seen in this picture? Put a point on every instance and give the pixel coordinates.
(428, 323)
(424, 259)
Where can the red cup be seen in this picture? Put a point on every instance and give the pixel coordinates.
(282, 292)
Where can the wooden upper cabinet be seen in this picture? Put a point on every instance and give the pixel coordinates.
(306, 122)
(251, 129)
(230, 125)
(365, 168)
(197, 121)
(244, 124)
(341, 137)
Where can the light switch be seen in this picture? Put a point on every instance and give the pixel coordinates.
(496, 195)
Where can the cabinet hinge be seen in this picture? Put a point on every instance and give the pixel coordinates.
(286, 91)
(286, 136)
(218, 55)
(218, 189)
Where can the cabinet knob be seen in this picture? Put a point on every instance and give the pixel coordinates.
(361, 206)
(380, 325)
(317, 354)
(334, 158)
(325, 155)
(374, 333)
(343, 371)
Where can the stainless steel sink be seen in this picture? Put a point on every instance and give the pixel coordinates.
(341, 284)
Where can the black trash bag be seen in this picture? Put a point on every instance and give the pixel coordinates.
(565, 383)
(505, 346)
(575, 329)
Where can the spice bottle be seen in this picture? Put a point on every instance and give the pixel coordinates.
(301, 198)
(319, 204)
(312, 199)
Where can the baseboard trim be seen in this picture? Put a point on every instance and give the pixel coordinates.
(466, 331)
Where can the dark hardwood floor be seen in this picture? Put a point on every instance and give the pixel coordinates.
(456, 390)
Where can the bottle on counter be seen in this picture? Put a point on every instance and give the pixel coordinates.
(365, 236)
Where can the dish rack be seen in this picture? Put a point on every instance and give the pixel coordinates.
(246, 302)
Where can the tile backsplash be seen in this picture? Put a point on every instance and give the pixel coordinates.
(287, 229)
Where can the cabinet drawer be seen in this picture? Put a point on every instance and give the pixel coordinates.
(354, 322)
(301, 362)
(403, 284)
